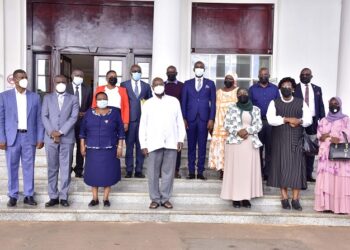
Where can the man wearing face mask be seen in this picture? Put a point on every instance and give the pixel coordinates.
(59, 114)
(21, 133)
(198, 105)
(162, 133)
(83, 92)
(261, 94)
(137, 92)
(173, 87)
(312, 95)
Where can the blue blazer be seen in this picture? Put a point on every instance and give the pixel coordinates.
(202, 103)
(9, 118)
(135, 102)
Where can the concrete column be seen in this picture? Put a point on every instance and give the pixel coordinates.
(2, 45)
(166, 36)
(343, 88)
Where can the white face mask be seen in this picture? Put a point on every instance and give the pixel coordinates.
(199, 72)
(102, 104)
(23, 83)
(60, 87)
(77, 80)
(159, 90)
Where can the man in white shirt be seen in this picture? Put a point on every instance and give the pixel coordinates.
(162, 132)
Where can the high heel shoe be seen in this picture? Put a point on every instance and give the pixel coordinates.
(246, 203)
(93, 203)
(236, 204)
(296, 205)
(285, 204)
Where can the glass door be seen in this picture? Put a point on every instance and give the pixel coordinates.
(102, 64)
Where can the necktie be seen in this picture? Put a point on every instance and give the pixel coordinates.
(199, 84)
(306, 97)
(76, 93)
(60, 101)
(136, 90)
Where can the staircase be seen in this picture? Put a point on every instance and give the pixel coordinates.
(193, 200)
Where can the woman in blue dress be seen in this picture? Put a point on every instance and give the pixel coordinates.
(102, 139)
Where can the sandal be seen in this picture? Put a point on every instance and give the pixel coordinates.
(167, 205)
(153, 205)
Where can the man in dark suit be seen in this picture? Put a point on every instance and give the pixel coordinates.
(312, 95)
(84, 93)
(138, 91)
(198, 103)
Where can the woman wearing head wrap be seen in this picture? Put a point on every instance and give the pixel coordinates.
(332, 190)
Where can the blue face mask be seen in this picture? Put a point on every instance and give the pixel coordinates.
(136, 76)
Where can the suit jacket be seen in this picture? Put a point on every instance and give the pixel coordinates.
(202, 103)
(135, 102)
(86, 96)
(9, 118)
(124, 102)
(319, 107)
(60, 120)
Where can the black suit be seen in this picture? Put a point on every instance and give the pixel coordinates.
(319, 114)
(86, 100)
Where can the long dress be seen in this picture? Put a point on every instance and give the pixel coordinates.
(288, 166)
(218, 139)
(101, 134)
(332, 190)
(242, 178)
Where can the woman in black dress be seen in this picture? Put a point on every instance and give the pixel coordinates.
(288, 115)
(102, 139)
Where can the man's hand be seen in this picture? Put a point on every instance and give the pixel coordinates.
(3, 146)
(39, 145)
(126, 127)
(119, 152)
(56, 134)
(324, 137)
(179, 146)
(186, 124)
(210, 125)
(335, 140)
(83, 151)
(145, 152)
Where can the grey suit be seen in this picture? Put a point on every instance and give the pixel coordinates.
(59, 154)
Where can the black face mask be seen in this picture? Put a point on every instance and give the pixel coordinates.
(228, 84)
(305, 79)
(334, 109)
(243, 99)
(264, 79)
(286, 92)
(113, 80)
(171, 77)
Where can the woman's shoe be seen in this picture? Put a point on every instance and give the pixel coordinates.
(246, 203)
(93, 203)
(221, 174)
(285, 204)
(236, 204)
(106, 203)
(296, 205)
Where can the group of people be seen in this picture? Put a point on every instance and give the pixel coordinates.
(256, 135)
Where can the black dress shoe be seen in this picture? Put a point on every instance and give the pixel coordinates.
(128, 175)
(177, 175)
(29, 200)
(139, 175)
(296, 205)
(52, 202)
(236, 204)
(93, 203)
(64, 203)
(285, 204)
(246, 203)
(191, 176)
(106, 203)
(201, 177)
(221, 175)
(12, 202)
(310, 179)
(79, 175)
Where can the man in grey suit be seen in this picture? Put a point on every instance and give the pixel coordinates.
(59, 114)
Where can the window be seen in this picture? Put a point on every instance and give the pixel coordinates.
(42, 73)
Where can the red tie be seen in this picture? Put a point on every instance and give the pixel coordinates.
(306, 97)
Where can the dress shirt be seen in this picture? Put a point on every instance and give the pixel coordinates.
(21, 100)
(133, 84)
(161, 124)
(311, 96)
(262, 96)
(60, 105)
(196, 83)
(114, 98)
(277, 120)
(79, 89)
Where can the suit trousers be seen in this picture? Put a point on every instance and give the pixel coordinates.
(132, 140)
(20, 150)
(161, 161)
(58, 163)
(79, 159)
(265, 150)
(311, 131)
(197, 133)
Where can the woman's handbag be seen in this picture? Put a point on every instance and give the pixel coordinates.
(310, 147)
(339, 151)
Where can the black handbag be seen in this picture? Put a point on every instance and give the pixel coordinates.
(310, 147)
(339, 151)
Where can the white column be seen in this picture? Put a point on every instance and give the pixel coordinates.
(343, 88)
(13, 43)
(166, 36)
